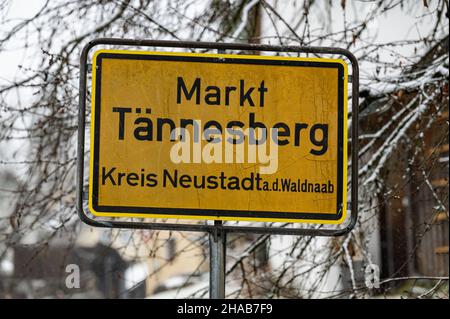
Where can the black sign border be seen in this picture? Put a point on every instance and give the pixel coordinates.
(117, 210)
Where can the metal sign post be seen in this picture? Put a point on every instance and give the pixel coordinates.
(217, 261)
(104, 208)
(217, 257)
